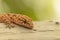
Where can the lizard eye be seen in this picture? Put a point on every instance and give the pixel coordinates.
(25, 21)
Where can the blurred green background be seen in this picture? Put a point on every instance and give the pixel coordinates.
(36, 9)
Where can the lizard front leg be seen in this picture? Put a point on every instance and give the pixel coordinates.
(6, 19)
(9, 24)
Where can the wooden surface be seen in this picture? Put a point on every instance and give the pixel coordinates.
(44, 30)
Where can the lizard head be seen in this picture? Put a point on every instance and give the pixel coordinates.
(27, 22)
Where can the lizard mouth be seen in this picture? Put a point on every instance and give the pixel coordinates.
(27, 24)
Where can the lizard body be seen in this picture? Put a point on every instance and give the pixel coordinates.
(19, 19)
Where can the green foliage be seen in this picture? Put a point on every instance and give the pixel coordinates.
(36, 9)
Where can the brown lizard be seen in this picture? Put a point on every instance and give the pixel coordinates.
(19, 19)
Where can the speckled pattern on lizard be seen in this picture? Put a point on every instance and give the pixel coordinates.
(19, 19)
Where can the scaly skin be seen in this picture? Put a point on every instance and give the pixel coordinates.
(19, 19)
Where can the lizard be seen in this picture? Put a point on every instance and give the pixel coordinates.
(19, 19)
